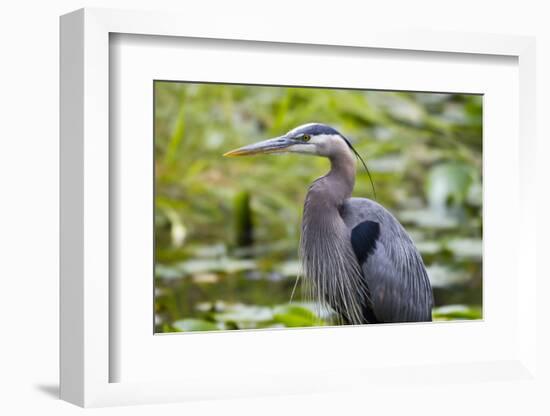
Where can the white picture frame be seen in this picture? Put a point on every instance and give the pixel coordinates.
(87, 304)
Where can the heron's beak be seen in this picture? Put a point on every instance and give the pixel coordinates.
(276, 145)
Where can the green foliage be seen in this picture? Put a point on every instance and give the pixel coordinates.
(452, 312)
(243, 220)
(449, 184)
(239, 316)
(227, 230)
(296, 316)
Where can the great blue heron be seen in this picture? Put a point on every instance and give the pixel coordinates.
(355, 254)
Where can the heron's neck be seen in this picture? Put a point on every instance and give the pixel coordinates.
(341, 176)
(331, 190)
(327, 194)
(325, 244)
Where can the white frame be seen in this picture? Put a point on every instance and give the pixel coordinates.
(138, 60)
(85, 218)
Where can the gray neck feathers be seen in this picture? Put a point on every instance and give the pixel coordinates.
(341, 178)
(333, 275)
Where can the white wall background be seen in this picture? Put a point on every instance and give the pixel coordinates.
(29, 207)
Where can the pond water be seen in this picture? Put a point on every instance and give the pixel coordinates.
(225, 292)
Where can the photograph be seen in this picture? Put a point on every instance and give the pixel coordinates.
(292, 207)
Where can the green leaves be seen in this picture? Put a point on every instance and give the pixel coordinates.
(448, 184)
(295, 316)
(244, 226)
(240, 316)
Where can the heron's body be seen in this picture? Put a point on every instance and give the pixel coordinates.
(400, 290)
(356, 256)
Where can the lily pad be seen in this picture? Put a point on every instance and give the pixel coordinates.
(429, 218)
(291, 268)
(190, 324)
(449, 312)
(295, 316)
(167, 272)
(245, 314)
(428, 247)
(227, 265)
(443, 276)
(467, 248)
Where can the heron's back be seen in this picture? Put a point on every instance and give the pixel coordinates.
(393, 268)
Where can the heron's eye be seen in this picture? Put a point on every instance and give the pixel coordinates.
(306, 137)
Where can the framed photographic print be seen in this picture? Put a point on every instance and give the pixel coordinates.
(274, 213)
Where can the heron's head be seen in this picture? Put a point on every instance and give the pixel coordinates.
(314, 138)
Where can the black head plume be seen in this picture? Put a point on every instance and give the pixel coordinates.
(363, 162)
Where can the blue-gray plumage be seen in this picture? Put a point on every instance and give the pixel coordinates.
(356, 256)
(396, 277)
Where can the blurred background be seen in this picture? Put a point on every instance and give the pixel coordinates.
(227, 230)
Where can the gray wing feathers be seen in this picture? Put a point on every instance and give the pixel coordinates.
(397, 295)
(395, 274)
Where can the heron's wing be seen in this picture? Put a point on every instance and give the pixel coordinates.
(363, 239)
(394, 297)
(393, 269)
